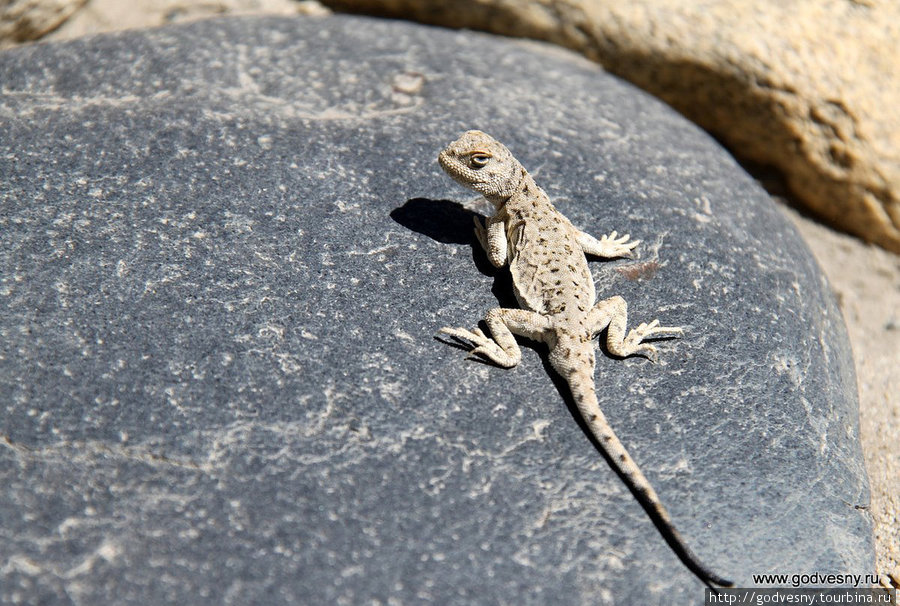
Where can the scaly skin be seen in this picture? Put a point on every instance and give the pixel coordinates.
(554, 287)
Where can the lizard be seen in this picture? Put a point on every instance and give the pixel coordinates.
(546, 256)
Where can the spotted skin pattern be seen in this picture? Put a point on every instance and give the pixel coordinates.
(553, 285)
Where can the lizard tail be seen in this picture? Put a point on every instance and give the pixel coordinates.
(581, 384)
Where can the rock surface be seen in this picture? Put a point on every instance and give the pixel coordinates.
(811, 87)
(226, 248)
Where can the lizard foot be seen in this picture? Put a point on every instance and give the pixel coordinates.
(618, 247)
(632, 344)
(482, 346)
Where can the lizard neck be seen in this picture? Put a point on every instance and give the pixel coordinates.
(516, 183)
(526, 195)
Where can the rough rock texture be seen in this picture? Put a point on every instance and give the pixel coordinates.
(811, 87)
(222, 267)
(23, 20)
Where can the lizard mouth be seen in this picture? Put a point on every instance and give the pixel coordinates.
(444, 159)
(451, 166)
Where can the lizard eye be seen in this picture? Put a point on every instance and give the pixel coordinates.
(479, 159)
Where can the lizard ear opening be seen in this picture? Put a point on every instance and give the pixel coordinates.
(479, 159)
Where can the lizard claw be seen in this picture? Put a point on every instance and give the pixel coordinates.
(649, 352)
(644, 330)
(474, 338)
(618, 246)
(483, 347)
(477, 353)
(632, 345)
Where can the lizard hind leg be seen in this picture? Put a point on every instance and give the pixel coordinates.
(501, 348)
(613, 313)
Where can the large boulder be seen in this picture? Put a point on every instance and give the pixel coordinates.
(225, 251)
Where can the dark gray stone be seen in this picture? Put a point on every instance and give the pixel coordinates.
(225, 251)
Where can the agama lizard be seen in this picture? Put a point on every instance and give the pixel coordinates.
(554, 287)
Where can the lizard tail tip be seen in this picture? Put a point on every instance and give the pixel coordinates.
(720, 582)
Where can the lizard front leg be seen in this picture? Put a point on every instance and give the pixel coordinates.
(607, 246)
(493, 240)
(613, 313)
(503, 323)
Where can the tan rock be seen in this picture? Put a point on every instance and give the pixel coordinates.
(811, 87)
(25, 20)
(111, 15)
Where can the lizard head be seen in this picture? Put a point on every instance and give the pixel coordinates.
(479, 161)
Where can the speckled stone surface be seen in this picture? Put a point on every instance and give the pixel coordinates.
(224, 251)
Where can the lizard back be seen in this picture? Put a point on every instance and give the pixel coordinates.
(549, 271)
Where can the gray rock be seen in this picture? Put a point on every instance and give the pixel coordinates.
(225, 251)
